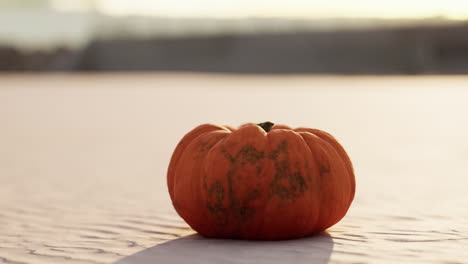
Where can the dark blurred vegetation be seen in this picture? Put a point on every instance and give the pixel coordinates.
(398, 50)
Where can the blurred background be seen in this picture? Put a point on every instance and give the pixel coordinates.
(240, 36)
(84, 156)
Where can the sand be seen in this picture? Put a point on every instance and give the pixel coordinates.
(83, 161)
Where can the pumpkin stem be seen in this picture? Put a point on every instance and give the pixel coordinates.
(266, 126)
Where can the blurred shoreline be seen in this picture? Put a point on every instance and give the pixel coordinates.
(74, 30)
(429, 50)
(88, 42)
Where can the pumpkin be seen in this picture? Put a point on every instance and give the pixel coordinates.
(260, 181)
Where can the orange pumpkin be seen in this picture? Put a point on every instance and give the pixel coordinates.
(260, 181)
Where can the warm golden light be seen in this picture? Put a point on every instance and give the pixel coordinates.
(455, 9)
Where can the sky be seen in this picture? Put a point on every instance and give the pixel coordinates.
(454, 9)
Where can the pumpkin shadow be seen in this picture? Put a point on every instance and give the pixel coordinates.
(197, 249)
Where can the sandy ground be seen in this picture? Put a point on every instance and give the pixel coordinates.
(83, 161)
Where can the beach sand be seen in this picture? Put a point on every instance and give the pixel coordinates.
(83, 163)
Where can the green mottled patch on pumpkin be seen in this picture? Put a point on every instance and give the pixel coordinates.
(205, 146)
(324, 169)
(286, 184)
(218, 212)
(238, 207)
(247, 154)
(216, 208)
(216, 191)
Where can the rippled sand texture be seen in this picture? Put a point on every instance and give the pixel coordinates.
(83, 162)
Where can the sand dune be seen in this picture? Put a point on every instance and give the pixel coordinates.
(83, 161)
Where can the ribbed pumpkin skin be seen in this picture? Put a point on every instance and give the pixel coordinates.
(247, 183)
